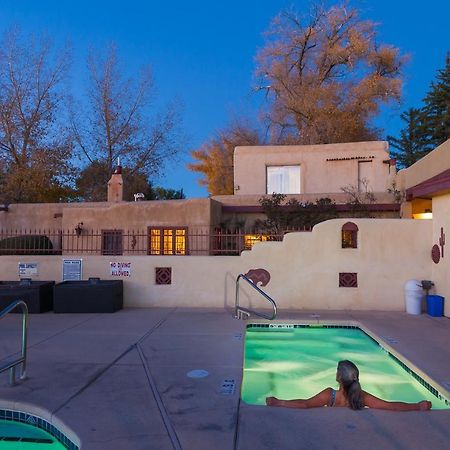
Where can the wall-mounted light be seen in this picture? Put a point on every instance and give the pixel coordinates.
(79, 229)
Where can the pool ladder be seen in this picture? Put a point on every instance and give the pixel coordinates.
(244, 313)
(11, 365)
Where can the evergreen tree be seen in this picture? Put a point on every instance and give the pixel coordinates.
(437, 107)
(412, 143)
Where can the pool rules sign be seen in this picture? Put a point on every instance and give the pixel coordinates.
(120, 269)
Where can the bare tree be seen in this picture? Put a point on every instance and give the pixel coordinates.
(35, 146)
(116, 123)
(325, 76)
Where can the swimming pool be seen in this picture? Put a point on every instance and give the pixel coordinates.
(297, 361)
(23, 431)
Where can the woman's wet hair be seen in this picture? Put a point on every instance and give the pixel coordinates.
(348, 376)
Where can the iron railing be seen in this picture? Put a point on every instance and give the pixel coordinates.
(22, 360)
(152, 241)
(243, 313)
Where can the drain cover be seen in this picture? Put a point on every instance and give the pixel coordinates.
(227, 387)
(197, 373)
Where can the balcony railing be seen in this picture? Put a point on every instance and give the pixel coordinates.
(170, 241)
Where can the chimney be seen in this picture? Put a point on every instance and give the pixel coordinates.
(115, 185)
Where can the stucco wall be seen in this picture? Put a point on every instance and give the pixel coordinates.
(304, 269)
(318, 176)
(103, 215)
(430, 165)
(441, 271)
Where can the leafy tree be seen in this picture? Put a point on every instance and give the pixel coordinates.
(93, 179)
(437, 107)
(116, 123)
(412, 143)
(160, 193)
(282, 215)
(35, 145)
(215, 157)
(325, 76)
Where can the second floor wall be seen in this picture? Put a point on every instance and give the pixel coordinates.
(312, 169)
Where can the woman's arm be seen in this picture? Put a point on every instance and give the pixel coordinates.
(374, 402)
(320, 399)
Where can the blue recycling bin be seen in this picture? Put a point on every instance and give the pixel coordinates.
(435, 305)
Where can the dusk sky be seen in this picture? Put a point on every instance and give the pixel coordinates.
(202, 52)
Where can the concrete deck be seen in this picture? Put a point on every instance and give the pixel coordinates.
(119, 381)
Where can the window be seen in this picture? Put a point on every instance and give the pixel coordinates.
(111, 242)
(283, 179)
(250, 239)
(167, 241)
(349, 235)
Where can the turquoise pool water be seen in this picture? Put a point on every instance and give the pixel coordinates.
(20, 436)
(299, 362)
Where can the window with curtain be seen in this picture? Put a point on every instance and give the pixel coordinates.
(112, 242)
(167, 241)
(283, 179)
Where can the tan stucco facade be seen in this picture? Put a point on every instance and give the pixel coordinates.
(324, 169)
(304, 270)
(304, 267)
(429, 166)
(104, 215)
(438, 202)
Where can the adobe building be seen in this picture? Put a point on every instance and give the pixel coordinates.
(311, 172)
(304, 172)
(321, 269)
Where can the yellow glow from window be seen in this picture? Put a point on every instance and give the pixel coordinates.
(250, 239)
(168, 241)
(425, 215)
(180, 242)
(155, 242)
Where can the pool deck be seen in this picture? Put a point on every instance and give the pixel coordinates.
(119, 381)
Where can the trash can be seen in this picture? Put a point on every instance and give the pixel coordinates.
(435, 305)
(413, 296)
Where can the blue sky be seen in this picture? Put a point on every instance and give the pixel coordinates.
(202, 52)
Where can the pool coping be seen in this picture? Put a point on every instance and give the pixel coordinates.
(442, 393)
(35, 414)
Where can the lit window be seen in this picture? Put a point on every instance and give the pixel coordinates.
(250, 239)
(349, 235)
(111, 242)
(283, 179)
(167, 241)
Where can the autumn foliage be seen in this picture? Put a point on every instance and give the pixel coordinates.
(326, 76)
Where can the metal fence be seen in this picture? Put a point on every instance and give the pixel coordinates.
(151, 241)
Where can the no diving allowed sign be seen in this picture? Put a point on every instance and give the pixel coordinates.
(120, 269)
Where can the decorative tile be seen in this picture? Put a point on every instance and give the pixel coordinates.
(163, 275)
(348, 279)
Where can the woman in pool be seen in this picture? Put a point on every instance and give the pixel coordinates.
(349, 394)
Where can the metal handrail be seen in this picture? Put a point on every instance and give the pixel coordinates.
(238, 310)
(11, 365)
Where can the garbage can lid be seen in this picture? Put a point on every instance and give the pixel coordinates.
(413, 285)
